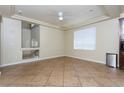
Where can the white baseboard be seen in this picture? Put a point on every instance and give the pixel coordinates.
(96, 61)
(30, 60)
(19, 62)
(45, 58)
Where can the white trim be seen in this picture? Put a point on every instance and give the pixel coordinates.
(19, 17)
(45, 58)
(19, 62)
(30, 60)
(88, 22)
(96, 61)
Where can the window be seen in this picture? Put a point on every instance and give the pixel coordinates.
(85, 39)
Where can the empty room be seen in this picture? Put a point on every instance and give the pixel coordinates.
(62, 45)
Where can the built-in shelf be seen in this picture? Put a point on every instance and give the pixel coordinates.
(29, 54)
(30, 41)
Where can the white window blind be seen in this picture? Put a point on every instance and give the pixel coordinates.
(85, 39)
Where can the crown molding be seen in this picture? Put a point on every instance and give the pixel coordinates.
(88, 22)
(18, 17)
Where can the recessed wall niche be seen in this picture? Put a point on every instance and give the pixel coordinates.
(30, 35)
(30, 40)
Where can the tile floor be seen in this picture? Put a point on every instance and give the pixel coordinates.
(61, 72)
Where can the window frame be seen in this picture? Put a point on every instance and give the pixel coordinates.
(86, 49)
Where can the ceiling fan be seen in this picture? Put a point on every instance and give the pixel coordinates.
(60, 16)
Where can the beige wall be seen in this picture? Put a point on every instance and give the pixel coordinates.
(51, 42)
(55, 42)
(107, 40)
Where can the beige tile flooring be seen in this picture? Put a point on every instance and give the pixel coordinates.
(61, 72)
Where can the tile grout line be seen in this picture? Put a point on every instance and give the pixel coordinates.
(63, 71)
(77, 74)
(49, 77)
(94, 70)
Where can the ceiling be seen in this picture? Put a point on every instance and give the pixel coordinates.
(74, 15)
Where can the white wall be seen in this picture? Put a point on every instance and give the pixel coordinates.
(51, 42)
(107, 40)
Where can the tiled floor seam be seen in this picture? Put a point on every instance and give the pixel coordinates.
(77, 75)
(48, 78)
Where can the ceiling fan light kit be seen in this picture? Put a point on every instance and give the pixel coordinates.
(60, 18)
